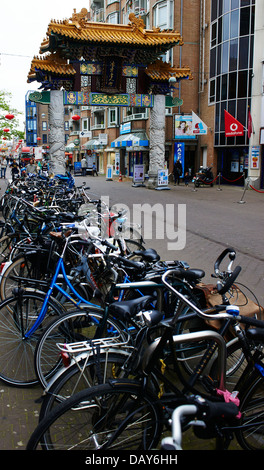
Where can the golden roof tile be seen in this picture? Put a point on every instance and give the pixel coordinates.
(160, 70)
(80, 30)
(52, 63)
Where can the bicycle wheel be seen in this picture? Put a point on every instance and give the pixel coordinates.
(71, 327)
(86, 372)
(250, 434)
(12, 276)
(17, 315)
(5, 247)
(114, 416)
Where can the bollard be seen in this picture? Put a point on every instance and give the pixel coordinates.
(244, 192)
(219, 176)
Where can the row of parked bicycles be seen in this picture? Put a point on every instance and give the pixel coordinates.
(131, 350)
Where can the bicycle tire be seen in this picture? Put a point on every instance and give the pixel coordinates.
(250, 434)
(73, 326)
(17, 353)
(80, 375)
(113, 416)
(5, 247)
(20, 268)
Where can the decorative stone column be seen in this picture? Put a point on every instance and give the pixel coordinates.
(156, 140)
(56, 136)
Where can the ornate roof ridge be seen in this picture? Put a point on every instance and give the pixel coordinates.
(78, 24)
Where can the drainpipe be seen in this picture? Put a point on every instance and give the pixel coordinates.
(180, 52)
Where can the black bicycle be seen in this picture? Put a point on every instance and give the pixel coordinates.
(132, 414)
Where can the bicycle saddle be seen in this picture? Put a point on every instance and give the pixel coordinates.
(191, 274)
(128, 308)
(148, 255)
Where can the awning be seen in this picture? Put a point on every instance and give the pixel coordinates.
(91, 144)
(137, 139)
(70, 147)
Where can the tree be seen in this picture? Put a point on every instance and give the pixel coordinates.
(12, 125)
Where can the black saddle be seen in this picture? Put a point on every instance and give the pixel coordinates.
(126, 309)
(148, 255)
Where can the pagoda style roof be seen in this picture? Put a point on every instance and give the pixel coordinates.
(77, 31)
(51, 64)
(69, 43)
(162, 71)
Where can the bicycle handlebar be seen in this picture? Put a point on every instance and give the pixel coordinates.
(223, 288)
(203, 409)
(232, 255)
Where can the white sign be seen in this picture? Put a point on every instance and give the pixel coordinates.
(198, 126)
(109, 172)
(138, 174)
(38, 153)
(163, 177)
(254, 163)
(103, 139)
(87, 134)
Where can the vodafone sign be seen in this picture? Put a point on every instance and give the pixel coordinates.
(232, 126)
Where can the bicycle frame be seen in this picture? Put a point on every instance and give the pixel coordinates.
(60, 269)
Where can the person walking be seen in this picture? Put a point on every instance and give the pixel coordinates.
(177, 171)
(31, 168)
(94, 170)
(45, 168)
(3, 167)
(84, 166)
(14, 171)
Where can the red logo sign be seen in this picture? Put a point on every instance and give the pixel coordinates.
(232, 126)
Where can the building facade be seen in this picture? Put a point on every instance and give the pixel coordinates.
(222, 46)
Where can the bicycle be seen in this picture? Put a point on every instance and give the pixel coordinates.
(187, 279)
(129, 414)
(145, 294)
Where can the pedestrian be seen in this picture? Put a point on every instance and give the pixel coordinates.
(177, 171)
(39, 166)
(31, 168)
(83, 165)
(45, 168)
(186, 178)
(94, 169)
(3, 167)
(14, 171)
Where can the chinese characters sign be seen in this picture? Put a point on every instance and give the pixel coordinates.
(102, 99)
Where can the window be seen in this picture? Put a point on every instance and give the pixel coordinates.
(233, 52)
(135, 113)
(226, 21)
(163, 15)
(244, 21)
(225, 58)
(214, 34)
(66, 125)
(112, 117)
(98, 120)
(85, 124)
(113, 18)
(44, 125)
(212, 91)
(234, 24)
(44, 138)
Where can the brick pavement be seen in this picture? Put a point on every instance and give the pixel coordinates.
(19, 409)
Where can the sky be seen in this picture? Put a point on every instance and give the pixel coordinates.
(23, 27)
